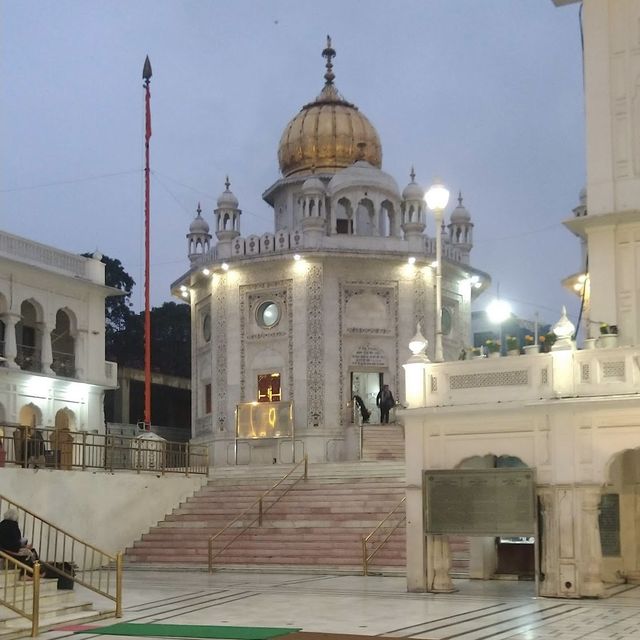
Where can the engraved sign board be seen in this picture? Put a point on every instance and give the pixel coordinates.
(255, 420)
(480, 502)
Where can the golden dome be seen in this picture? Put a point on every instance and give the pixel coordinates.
(328, 134)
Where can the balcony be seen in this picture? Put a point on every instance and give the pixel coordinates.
(533, 377)
(64, 364)
(28, 358)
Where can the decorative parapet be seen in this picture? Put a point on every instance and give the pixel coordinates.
(527, 378)
(24, 250)
(285, 240)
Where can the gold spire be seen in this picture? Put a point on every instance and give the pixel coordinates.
(329, 53)
(412, 175)
(227, 184)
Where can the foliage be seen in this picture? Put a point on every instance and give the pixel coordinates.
(608, 329)
(512, 343)
(124, 329)
(528, 339)
(546, 341)
(493, 346)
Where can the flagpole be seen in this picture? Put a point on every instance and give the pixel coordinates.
(146, 75)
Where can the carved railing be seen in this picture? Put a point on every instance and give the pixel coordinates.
(385, 528)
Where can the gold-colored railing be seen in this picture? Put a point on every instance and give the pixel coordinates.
(366, 556)
(63, 554)
(262, 510)
(63, 449)
(21, 596)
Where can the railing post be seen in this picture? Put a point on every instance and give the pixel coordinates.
(187, 462)
(365, 568)
(163, 454)
(206, 459)
(35, 610)
(210, 556)
(138, 461)
(306, 461)
(260, 513)
(84, 450)
(119, 584)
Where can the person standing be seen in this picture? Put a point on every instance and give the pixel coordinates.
(385, 401)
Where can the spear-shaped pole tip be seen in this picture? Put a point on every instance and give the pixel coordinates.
(146, 70)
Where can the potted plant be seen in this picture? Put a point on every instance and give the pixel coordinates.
(608, 336)
(546, 341)
(513, 346)
(530, 346)
(476, 352)
(493, 347)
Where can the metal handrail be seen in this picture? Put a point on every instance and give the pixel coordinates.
(367, 557)
(13, 593)
(261, 512)
(69, 556)
(63, 449)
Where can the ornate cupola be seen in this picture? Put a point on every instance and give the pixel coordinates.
(413, 207)
(314, 209)
(325, 134)
(227, 215)
(461, 230)
(198, 238)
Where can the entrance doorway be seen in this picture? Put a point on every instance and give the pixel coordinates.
(367, 385)
(269, 389)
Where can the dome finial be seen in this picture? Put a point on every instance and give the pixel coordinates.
(460, 198)
(199, 210)
(227, 184)
(329, 52)
(412, 175)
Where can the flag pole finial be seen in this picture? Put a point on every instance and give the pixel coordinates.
(146, 70)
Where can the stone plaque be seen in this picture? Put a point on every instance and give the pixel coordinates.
(367, 355)
(609, 521)
(480, 502)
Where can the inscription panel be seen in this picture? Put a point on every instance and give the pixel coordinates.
(485, 502)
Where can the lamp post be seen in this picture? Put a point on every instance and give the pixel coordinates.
(498, 311)
(437, 198)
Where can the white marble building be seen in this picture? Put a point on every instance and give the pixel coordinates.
(323, 305)
(52, 366)
(572, 415)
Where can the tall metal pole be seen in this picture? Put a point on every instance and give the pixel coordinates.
(146, 75)
(439, 354)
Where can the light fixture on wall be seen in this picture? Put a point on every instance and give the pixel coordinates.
(224, 266)
(205, 272)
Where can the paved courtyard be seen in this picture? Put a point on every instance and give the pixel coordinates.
(373, 606)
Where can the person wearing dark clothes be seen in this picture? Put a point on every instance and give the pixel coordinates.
(12, 542)
(386, 402)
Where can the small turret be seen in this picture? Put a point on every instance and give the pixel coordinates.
(227, 216)
(461, 230)
(198, 238)
(314, 210)
(413, 212)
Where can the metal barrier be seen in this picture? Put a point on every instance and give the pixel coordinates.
(366, 556)
(66, 450)
(65, 555)
(21, 596)
(261, 511)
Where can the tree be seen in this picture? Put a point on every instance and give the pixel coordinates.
(117, 309)
(124, 329)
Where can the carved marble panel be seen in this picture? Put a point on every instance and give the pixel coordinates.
(315, 347)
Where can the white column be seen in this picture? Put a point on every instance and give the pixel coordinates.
(591, 584)
(438, 565)
(46, 355)
(10, 345)
(79, 349)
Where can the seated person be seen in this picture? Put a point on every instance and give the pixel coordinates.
(12, 542)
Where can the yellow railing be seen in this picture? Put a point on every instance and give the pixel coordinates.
(66, 450)
(366, 556)
(262, 509)
(63, 554)
(21, 596)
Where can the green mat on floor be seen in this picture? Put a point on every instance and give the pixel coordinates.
(190, 631)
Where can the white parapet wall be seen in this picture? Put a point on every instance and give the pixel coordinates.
(108, 510)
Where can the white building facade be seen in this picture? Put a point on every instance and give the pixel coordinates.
(52, 333)
(571, 415)
(318, 310)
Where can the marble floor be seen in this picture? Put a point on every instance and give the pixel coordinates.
(372, 606)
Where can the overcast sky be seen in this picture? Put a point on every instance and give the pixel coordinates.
(486, 94)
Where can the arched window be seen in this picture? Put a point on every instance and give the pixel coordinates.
(63, 346)
(28, 338)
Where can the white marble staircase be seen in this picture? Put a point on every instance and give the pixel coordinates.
(57, 607)
(383, 442)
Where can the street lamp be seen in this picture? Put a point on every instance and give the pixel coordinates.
(437, 198)
(498, 311)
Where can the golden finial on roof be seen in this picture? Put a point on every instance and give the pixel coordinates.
(329, 53)
(412, 175)
(227, 184)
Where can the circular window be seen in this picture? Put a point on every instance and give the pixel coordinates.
(206, 328)
(447, 321)
(268, 314)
